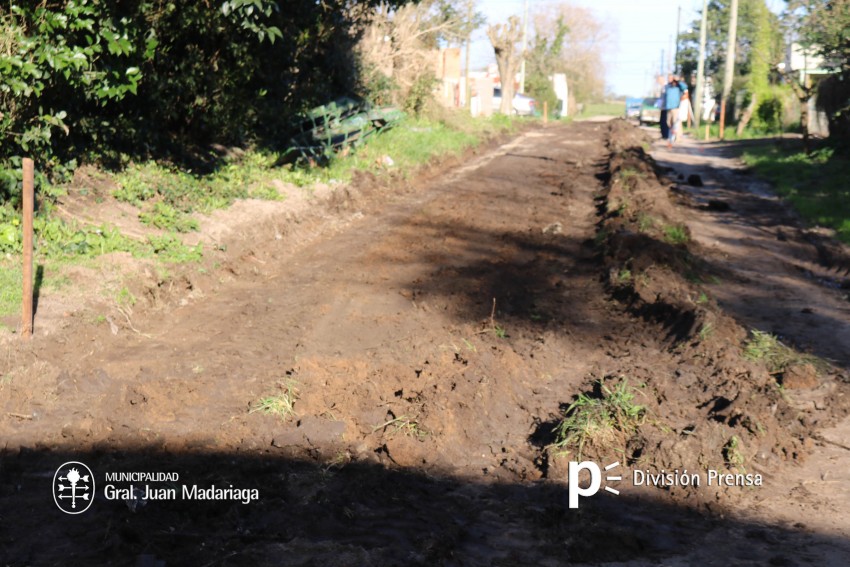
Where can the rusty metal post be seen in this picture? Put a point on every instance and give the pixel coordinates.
(28, 208)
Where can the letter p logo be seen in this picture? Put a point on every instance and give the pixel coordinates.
(595, 480)
(575, 489)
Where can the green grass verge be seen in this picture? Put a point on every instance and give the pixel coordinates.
(815, 184)
(415, 143)
(10, 288)
(608, 108)
(167, 197)
(730, 133)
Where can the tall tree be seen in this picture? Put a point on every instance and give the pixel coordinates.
(504, 38)
(569, 39)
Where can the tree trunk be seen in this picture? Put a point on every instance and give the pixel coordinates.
(504, 38)
(747, 115)
(804, 122)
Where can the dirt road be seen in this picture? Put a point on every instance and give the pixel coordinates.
(429, 344)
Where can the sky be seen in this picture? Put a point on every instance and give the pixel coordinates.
(640, 30)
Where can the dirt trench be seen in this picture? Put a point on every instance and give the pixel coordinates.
(430, 347)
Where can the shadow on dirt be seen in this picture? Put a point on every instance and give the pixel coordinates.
(356, 515)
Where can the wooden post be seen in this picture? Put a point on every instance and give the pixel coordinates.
(722, 116)
(28, 207)
(706, 130)
(545, 112)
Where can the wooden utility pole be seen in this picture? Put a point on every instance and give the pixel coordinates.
(698, 94)
(28, 208)
(729, 71)
(467, 99)
(676, 53)
(524, 45)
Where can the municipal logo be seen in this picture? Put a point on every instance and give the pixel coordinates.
(73, 487)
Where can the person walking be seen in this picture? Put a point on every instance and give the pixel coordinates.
(672, 98)
(686, 112)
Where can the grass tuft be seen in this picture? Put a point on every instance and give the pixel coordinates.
(676, 234)
(777, 357)
(598, 420)
(282, 405)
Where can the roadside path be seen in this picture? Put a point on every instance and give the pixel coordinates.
(775, 284)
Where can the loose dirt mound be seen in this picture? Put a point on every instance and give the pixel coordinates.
(723, 409)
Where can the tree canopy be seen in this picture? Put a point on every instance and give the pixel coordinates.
(118, 80)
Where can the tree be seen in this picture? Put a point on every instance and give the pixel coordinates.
(570, 39)
(504, 38)
(396, 51)
(544, 58)
(111, 81)
(758, 49)
(823, 27)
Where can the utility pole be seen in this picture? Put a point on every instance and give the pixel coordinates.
(671, 64)
(467, 100)
(678, 27)
(524, 43)
(703, 30)
(729, 72)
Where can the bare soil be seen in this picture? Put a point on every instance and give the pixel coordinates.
(432, 333)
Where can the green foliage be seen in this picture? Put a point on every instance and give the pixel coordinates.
(420, 93)
(609, 108)
(759, 47)
(823, 27)
(676, 234)
(55, 238)
(168, 196)
(597, 419)
(70, 47)
(768, 116)
(121, 81)
(11, 289)
(543, 60)
(776, 356)
(169, 248)
(166, 217)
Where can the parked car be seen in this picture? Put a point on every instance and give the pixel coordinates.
(523, 105)
(633, 107)
(650, 111)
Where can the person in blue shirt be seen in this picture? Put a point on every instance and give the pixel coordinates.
(672, 97)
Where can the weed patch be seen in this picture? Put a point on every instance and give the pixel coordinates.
(776, 356)
(732, 452)
(599, 419)
(404, 425)
(281, 405)
(676, 234)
